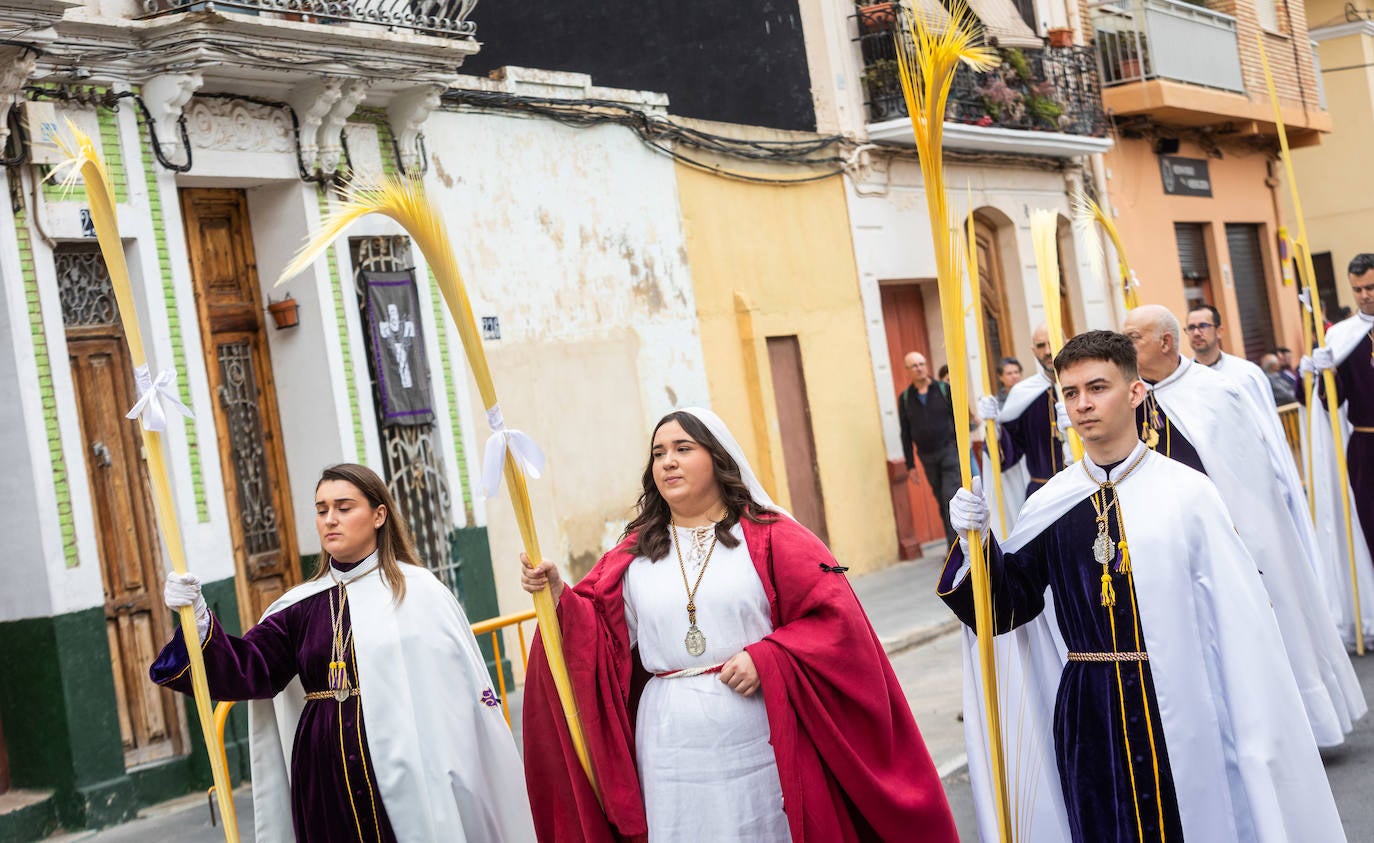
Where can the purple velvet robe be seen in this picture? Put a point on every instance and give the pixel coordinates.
(1355, 388)
(1032, 435)
(334, 795)
(1108, 736)
(1172, 443)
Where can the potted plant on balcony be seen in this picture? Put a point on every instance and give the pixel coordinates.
(882, 79)
(1060, 37)
(878, 16)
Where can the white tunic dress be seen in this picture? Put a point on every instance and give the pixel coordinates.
(705, 763)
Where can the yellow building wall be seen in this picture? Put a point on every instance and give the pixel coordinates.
(1146, 217)
(1336, 183)
(785, 253)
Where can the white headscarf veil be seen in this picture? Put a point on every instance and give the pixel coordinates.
(716, 425)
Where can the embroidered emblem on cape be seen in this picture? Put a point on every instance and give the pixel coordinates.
(489, 698)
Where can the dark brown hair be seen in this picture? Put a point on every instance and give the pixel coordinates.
(650, 525)
(394, 544)
(1108, 346)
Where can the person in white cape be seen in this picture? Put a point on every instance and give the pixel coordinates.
(1205, 335)
(1349, 352)
(1170, 712)
(1197, 417)
(373, 716)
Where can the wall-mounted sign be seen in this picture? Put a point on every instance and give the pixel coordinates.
(1185, 176)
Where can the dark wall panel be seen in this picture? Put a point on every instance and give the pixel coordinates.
(737, 61)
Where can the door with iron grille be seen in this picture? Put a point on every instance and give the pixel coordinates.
(230, 310)
(412, 461)
(126, 532)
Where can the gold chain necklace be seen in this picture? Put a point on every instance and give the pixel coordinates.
(695, 642)
(1103, 549)
(338, 666)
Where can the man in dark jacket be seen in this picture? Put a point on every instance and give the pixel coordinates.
(926, 417)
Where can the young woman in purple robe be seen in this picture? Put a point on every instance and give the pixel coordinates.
(369, 689)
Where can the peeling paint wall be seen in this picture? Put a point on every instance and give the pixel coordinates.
(788, 250)
(572, 238)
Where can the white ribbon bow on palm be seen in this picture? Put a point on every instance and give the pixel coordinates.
(151, 394)
(529, 459)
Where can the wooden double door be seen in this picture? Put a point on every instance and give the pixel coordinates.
(238, 365)
(150, 721)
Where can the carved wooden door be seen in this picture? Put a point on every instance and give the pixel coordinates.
(993, 297)
(230, 310)
(126, 531)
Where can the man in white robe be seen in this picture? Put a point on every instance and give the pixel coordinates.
(1205, 335)
(1165, 711)
(1199, 418)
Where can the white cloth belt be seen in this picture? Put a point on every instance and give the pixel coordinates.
(151, 394)
(529, 459)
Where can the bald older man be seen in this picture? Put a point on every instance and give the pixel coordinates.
(926, 417)
(1198, 417)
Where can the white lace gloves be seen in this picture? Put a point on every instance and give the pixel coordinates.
(968, 510)
(988, 408)
(1061, 416)
(183, 590)
(1323, 359)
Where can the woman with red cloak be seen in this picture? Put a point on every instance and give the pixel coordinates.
(729, 684)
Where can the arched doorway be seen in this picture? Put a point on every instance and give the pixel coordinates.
(997, 331)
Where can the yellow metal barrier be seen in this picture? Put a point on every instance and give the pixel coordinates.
(1291, 416)
(491, 627)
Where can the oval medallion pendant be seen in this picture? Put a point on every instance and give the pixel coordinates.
(695, 641)
(340, 694)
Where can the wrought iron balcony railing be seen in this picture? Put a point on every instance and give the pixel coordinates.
(1053, 89)
(441, 18)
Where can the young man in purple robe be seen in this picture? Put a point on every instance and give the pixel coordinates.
(1349, 354)
(1169, 710)
(368, 687)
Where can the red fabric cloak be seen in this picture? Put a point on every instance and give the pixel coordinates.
(852, 764)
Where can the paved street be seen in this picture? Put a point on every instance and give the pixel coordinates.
(925, 650)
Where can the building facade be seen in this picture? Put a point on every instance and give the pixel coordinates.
(1340, 217)
(1017, 138)
(1194, 182)
(226, 150)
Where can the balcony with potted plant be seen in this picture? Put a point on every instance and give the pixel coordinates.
(1039, 101)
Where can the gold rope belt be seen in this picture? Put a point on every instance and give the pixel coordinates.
(1109, 657)
(1364, 430)
(1040, 480)
(329, 695)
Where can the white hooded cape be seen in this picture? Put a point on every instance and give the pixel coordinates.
(446, 764)
(1254, 385)
(1341, 338)
(1244, 762)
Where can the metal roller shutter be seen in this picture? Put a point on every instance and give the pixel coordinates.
(1252, 291)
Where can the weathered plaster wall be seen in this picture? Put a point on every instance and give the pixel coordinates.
(571, 237)
(787, 250)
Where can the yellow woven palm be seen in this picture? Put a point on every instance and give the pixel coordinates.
(404, 200)
(927, 61)
(84, 164)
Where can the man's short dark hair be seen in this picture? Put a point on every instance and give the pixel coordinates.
(1099, 345)
(1211, 311)
(944, 370)
(1282, 350)
(1008, 361)
(1360, 264)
